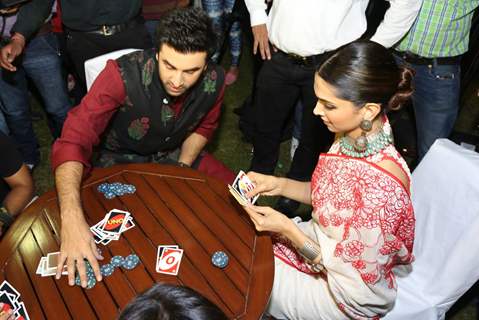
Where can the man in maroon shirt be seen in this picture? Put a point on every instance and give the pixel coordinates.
(147, 106)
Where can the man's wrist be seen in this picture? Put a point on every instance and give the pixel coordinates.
(184, 165)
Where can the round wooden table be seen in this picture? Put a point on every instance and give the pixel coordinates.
(171, 205)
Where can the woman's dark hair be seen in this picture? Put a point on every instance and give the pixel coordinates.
(170, 302)
(364, 71)
(187, 30)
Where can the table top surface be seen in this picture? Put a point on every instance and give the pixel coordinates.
(171, 206)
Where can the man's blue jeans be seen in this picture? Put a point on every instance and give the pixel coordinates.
(42, 64)
(435, 101)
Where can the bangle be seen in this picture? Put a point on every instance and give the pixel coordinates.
(309, 251)
(183, 165)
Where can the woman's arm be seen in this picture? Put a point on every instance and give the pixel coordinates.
(274, 186)
(268, 219)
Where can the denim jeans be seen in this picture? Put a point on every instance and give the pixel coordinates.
(3, 123)
(435, 101)
(42, 64)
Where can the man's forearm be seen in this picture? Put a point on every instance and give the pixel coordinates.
(191, 148)
(68, 178)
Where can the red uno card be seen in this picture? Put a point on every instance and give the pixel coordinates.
(170, 261)
(115, 221)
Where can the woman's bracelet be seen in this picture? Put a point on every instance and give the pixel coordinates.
(309, 251)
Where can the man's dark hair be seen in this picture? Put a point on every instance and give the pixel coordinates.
(187, 30)
(168, 302)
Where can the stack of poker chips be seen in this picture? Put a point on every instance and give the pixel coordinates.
(219, 259)
(128, 263)
(111, 190)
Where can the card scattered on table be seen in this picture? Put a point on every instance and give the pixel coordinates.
(10, 298)
(112, 226)
(48, 265)
(241, 186)
(168, 259)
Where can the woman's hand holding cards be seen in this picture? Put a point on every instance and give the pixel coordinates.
(265, 184)
(267, 219)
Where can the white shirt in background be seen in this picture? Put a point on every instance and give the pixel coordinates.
(310, 27)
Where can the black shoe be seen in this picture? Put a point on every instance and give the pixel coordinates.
(287, 206)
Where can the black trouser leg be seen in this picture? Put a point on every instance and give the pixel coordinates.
(275, 96)
(315, 137)
(82, 46)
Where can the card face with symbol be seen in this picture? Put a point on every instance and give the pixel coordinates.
(170, 260)
(241, 186)
(115, 219)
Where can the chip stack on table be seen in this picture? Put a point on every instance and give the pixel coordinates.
(220, 259)
(112, 190)
(129, 262)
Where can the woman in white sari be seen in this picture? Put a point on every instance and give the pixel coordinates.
(342, 263)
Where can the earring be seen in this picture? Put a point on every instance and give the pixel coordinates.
(361, 143)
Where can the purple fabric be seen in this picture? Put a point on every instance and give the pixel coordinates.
(9, 22)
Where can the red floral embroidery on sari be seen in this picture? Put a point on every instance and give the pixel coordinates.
(366, 210)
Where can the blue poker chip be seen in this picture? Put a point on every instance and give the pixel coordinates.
(110, 195)
(107, 270)
(131, 262)
(77, 280)
(220, 259)
(91, 282)
(103, 187)
(117, 261)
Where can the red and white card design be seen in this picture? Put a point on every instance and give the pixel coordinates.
(169, 260)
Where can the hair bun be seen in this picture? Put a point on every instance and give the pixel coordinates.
(405, 89)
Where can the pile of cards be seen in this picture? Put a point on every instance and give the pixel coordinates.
(48, 265)
(168, 259)
(241, 186)
(109, 228)
(10, 298)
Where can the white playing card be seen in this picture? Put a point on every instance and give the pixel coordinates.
(241, 186)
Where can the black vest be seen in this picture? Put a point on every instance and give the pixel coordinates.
(145, 124)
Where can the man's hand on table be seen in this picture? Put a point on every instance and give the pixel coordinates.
(11, 51)
(77, 244)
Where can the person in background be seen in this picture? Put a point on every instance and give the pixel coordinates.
(16, 184)
(293, 39)
(92, 28)
(41, 63)
(160, 105)
(166, 301)
(153, 10)
(433, 47)
(342, 263)
(220, 11)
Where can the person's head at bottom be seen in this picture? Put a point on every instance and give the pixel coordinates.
(360, 82)
(168, 302)
(185, 42)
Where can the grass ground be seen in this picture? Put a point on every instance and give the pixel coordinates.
(229, 147)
